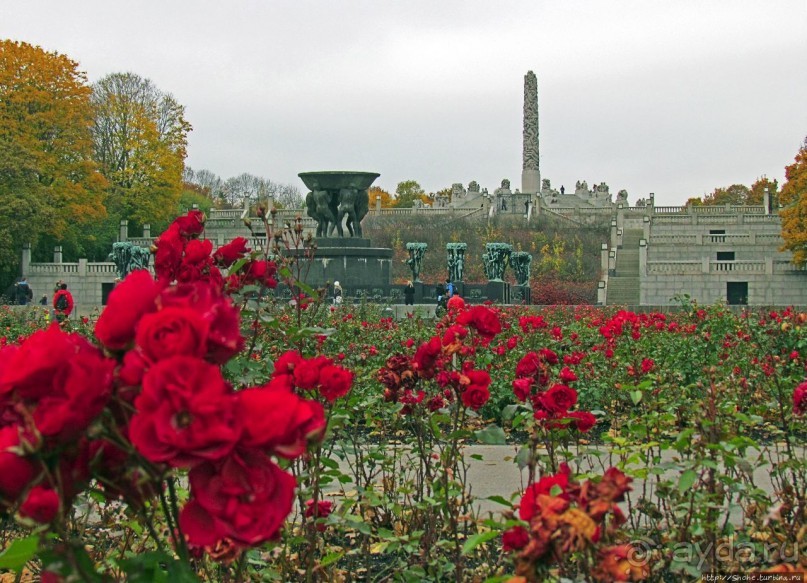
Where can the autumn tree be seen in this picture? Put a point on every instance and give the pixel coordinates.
(757, 193)
(140, 138)
(794, 214)
(387, 200)
(407, 193)
(49, 184)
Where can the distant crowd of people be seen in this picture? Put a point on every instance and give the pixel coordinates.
(21, 294)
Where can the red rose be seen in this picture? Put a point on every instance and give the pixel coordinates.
(168, 254)
(455, 303)
(245, 498)
(172, 332)
(276, 419)
(475, 396)
(191, 224)
(228, 254)
(529, 505)
(800, 399)
(426, 357)
(583, 421)
(529, 365)
(515, 539)
(128, 302)
(483, 319)
(548, 355)
(16, 471)
(522, 388)
(559, 399)
(131, 372)
(306, 373)
(185, 413)
(567, 375)
(321, 510)
(334, 382)
(261, 272)
(224, 338)
(62, 378)
(41, 505)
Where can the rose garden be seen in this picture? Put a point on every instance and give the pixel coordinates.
(200, 428)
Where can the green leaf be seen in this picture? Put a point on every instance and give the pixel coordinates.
(19, 552)
(686, 480)
(636, 397)
(331, 558)
(478, 539)
(491, 435)
(500, 500)
(509, 412)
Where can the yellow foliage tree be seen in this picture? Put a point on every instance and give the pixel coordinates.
(140, 137)
(387, 201)
(49, 184)
(794, 214)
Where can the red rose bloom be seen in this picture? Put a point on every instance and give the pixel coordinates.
(800, 399)
(185, 414)
(262, 272)
(559, 399)
(322, 509)
(191, 224)
(245, 498)
(228, 254)
(128, 302)
(475, 396)
(529, 365)
(334, 382)
(583, 421)
(62, 378)
(426, 357)
(41, 505)
(515, 539)
(522, 388)
(172, 332)
(567, 375)
(483, 319)
(455, 303)
(224, 338)
(529, 505)
(277, 420)
(168, 254)
(16, 471)
(306, 373)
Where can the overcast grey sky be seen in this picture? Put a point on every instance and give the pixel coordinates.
(672, 97)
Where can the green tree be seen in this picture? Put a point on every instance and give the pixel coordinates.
(794, 214)
(50, 186)
(140, 137)
(407, 192)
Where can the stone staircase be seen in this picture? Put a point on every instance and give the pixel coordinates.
(623, 286)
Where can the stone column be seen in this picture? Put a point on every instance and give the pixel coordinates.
(604, 258)
(530, 174)
(646, 227)
(601, 293)
(147, 231)
(124, 231)
(57, 254)
(26, 258)
(613, 233)
(642, 258)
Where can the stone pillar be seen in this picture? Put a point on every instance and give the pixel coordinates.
(82, 268)
(147, 231)
(613, 233)
(769, 265)
(530, 173)
(604, 258)
(646, 227)
(378, 204)
(652, 201)
(620, 216)
(612, 262)
(704, 264)
(26, 258)
(642, 258)
(601, 293)
(57, 254)
(124, 231)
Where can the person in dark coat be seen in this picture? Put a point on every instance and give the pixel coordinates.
(409, 294)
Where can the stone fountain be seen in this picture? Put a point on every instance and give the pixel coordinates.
(338, 201)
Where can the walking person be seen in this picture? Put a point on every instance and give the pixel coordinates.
(62, 303)
(409, 294)
(24, 292)
(337, 293)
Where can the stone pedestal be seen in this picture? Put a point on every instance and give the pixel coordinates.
(349, 260)
(498, 291)
(521, 294)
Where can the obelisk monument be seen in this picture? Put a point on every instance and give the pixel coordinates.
(530, 173)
